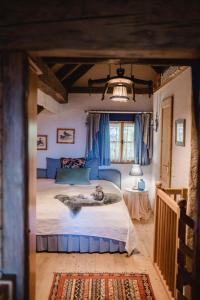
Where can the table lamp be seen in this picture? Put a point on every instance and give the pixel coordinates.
(136, 171)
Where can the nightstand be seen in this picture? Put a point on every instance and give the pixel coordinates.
(138, 203)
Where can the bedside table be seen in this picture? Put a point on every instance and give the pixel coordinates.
(137, 203)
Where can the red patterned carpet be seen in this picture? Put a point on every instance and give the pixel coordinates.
(101, 286)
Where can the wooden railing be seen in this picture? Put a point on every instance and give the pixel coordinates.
(167, 214)
(184, 282)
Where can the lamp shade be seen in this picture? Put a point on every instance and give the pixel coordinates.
(119, 93)
(136, 170)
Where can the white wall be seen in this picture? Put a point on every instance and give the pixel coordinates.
(48, 102)
(73, 116)
(180, 88)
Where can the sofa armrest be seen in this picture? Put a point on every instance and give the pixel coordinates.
(112, 175)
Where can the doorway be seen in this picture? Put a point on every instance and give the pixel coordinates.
(166, 141)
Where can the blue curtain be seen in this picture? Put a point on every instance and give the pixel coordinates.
(94, 153)
(92, 150)
(98, 138)
(104, 140)
(143, 139)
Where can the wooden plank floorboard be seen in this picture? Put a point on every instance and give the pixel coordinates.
(48, 263)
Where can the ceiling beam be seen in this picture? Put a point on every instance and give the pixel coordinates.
(100, 90)
(65, 71)
(99, 60)
(74, 76)
(55, 67)
(103, 28)
(49, 83)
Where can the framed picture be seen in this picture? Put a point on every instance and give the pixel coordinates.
(7, 287)
(65, 136)
(42, 142)
(180, 132)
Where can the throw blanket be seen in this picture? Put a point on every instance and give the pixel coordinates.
(75, 203)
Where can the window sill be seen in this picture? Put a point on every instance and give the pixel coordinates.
(122, 162)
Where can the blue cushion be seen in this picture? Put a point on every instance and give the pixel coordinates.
(73, 176)
(41, 173)
(93, 164)
(52, 165)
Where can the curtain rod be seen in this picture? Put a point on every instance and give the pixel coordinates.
(117, 112)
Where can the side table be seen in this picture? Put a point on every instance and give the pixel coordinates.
(138, 203)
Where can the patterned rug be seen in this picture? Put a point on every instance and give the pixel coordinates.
(101, 286)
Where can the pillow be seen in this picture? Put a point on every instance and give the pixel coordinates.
(73, 176)
(52, 165)
(72, 162)
(41, 173)
(94, 165)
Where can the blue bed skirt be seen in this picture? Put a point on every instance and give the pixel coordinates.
(81, 244)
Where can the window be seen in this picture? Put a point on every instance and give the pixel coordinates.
(122, 142)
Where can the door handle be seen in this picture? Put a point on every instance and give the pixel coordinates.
(167, 167)
(167, 170)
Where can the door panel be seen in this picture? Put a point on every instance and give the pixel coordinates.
(166, 141)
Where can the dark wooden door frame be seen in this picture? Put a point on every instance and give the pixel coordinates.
(196, 114)
(14, 166)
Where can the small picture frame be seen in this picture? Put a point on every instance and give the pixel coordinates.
(42, 142)
(65, 136)
(180, 132)
(8, 287)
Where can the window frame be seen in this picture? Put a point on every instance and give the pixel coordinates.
(122, 142)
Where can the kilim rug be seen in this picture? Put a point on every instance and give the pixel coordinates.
(101, 286)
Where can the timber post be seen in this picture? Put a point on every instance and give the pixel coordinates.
(14, 166)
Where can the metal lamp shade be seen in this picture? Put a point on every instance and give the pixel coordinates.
(119, 93)
(136, 170)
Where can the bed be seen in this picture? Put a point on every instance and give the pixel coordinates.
(106, 228)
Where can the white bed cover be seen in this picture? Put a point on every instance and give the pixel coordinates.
(109, 221)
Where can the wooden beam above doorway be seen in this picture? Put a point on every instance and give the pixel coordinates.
(161, 62)
(134, 29)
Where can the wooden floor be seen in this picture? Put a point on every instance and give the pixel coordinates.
(47, 263)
